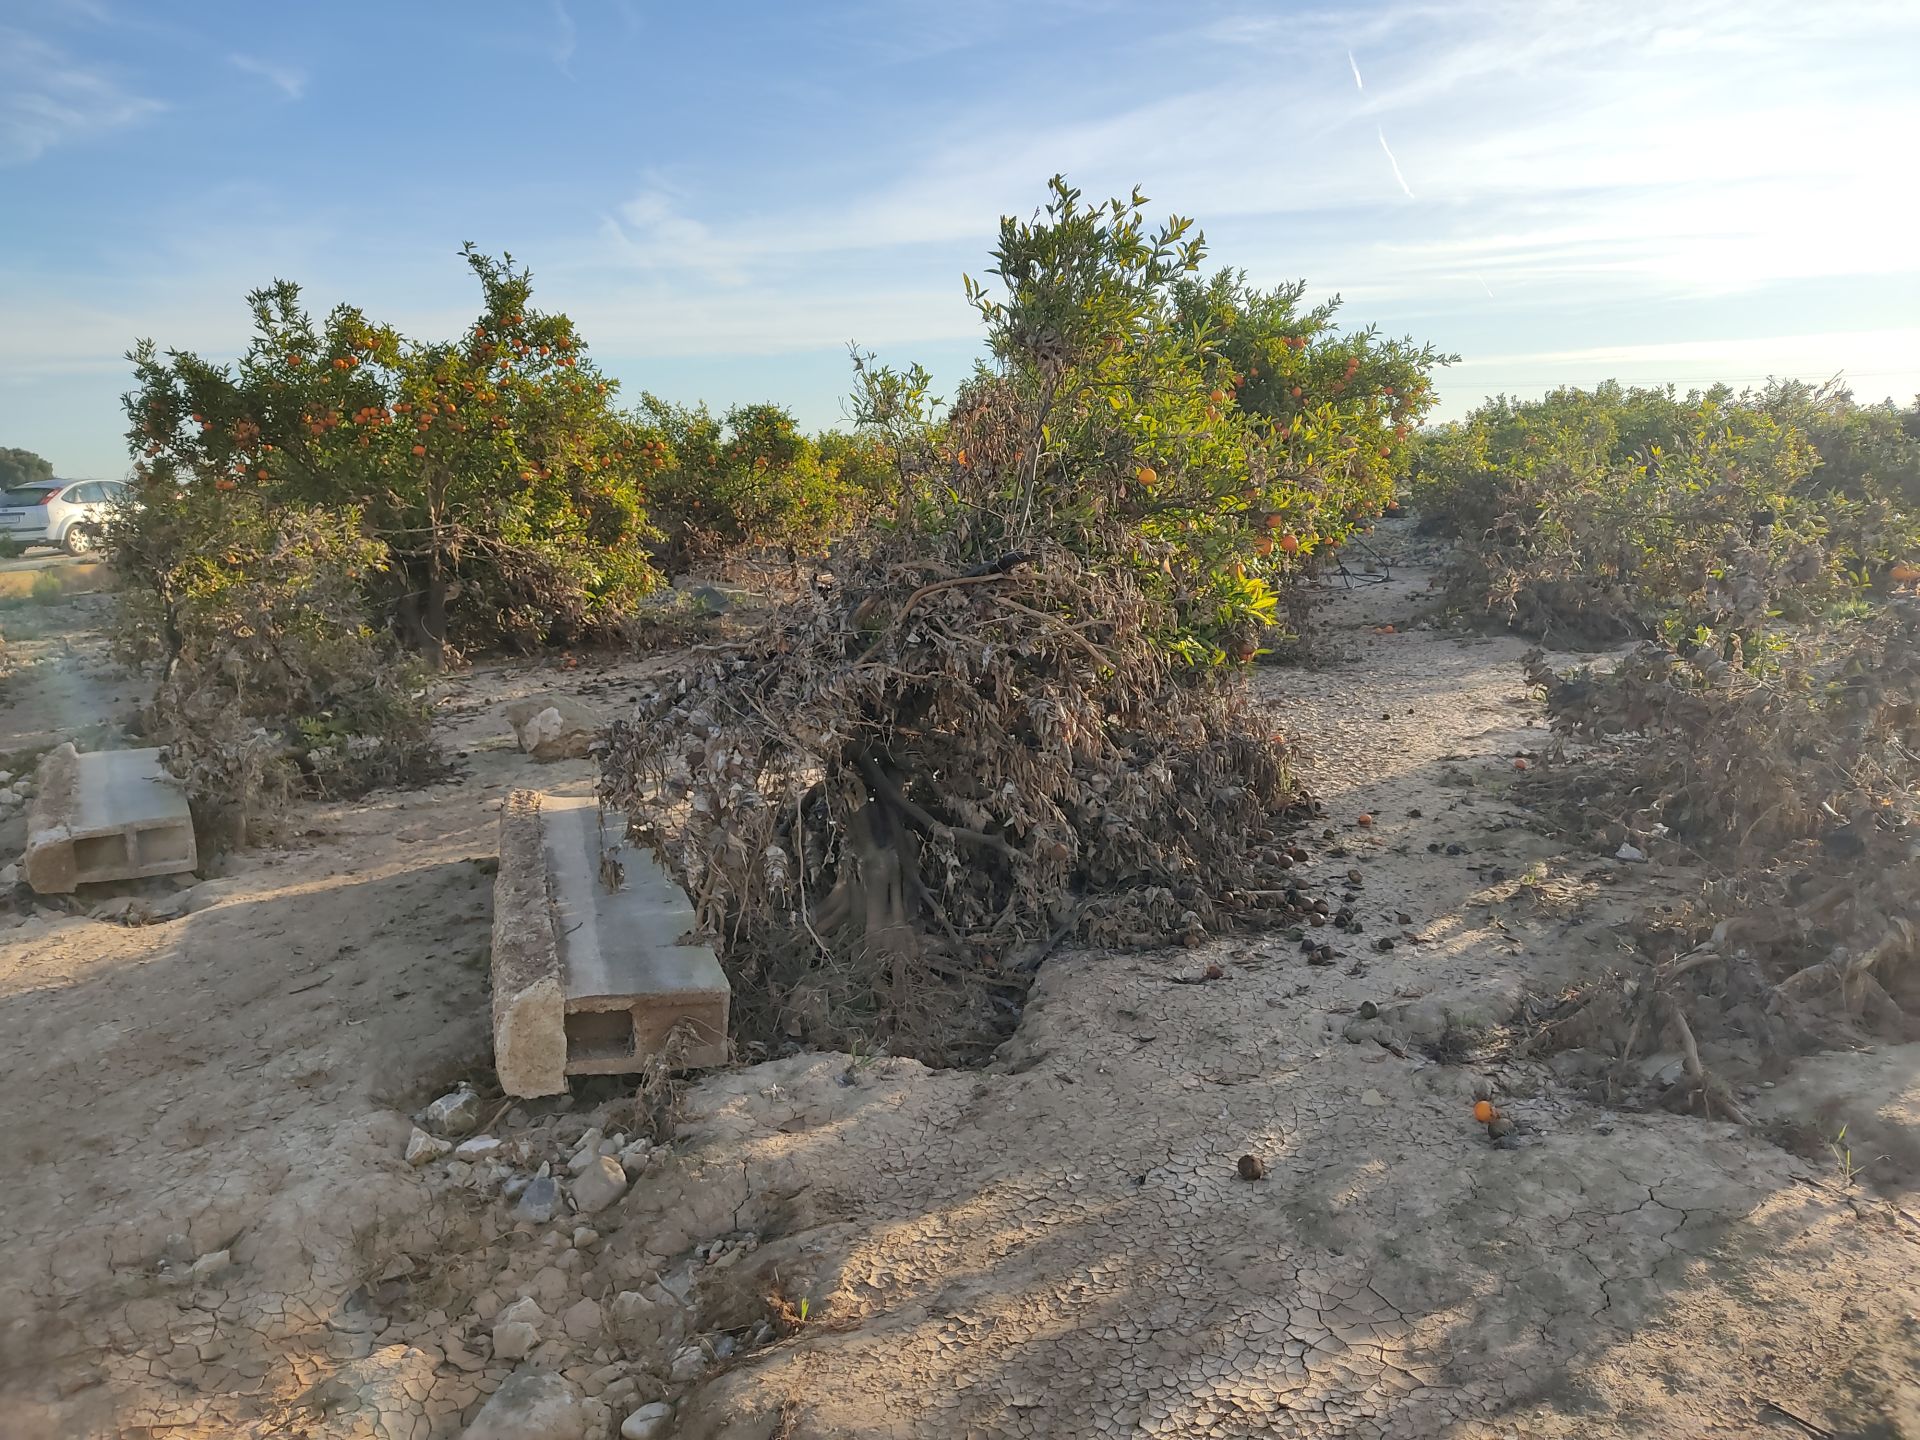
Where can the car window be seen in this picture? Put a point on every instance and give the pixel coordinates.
(78, 494)
(23, 497)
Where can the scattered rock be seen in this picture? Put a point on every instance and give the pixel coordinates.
(634, 1158)
(1252, 1167)
(1663, 1069)
(539, 1200)
(210, 1263)
(688, 1363)
(647, 1422)
(514, 1340)
(524, 1311)
(531, 1405)
(554, 726)
(455, 1114)
(1629, 853)
(585, 1238)
(582, 1320)
(480, 1147)
(1372, 1097)
(600, 1183)
(422, 1147)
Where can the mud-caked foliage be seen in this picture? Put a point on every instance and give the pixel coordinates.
(1011, 714)
(1791, 784)
(1617, 513)
(271, 679)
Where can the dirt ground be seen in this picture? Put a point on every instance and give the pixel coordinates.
(208, 1227)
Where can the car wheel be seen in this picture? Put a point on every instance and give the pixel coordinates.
(80, 540)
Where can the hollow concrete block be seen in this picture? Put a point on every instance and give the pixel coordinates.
(594, 971)
(106, 815)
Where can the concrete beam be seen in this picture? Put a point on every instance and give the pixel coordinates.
(106, 815)
(593, 973)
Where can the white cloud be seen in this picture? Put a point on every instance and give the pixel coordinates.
(290, 82)
(567, 37)
(48, 99)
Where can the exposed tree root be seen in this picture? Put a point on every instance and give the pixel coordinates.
(907, 790)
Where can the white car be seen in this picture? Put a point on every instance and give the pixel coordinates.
(69, 514)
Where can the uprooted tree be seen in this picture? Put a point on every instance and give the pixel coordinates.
(1765, 732)
(1011, 713)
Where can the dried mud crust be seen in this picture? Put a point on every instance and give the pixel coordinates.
(1058, 1245)
(1064, 1246)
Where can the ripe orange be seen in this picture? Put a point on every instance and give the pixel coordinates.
(1295, 392)
(1364, 819)
(419, 449)
(1263, 546)
(1484, 1112)
(1218, 396)
(1289, 542)
(1519, 764)
(1147, 476)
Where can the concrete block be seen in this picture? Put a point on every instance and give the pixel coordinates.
(107, 815)
(592, 977)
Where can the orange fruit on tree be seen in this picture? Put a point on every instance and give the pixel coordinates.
(1147, 476)
(1290, 542)
(1274, 522)
(1263, 546)
(1218, 396)
(419, 449)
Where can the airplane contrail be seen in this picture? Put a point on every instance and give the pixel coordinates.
(1354, 65)
(1396, 165)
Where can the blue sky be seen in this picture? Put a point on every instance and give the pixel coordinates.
(724, 196)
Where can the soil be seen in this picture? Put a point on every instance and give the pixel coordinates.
(1059, 1244)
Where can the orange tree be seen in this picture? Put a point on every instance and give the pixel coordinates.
(1011, 715)
(752, 478)
(1210, 433)
(1338, 408)
(494, 471)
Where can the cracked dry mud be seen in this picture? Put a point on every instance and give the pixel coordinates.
(1058, 1245)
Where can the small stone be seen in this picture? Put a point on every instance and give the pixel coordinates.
(585, 1148)
(524, 1311)
(634, 1158)
(514, 1340)
(600, 1184)
(688, 1363)
(456, 1114)
(585, 1238)
(647, 1422)
(531, 1405)
(210, 1263)
(582, 1320)
(1372, 1097)
(539, 1200)
(480, 1147)
(422, 1148)
(1252, 1167)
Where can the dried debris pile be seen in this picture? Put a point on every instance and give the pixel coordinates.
(909, 786)
(1793, 784)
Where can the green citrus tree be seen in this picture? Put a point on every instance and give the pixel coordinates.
(494, 469)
